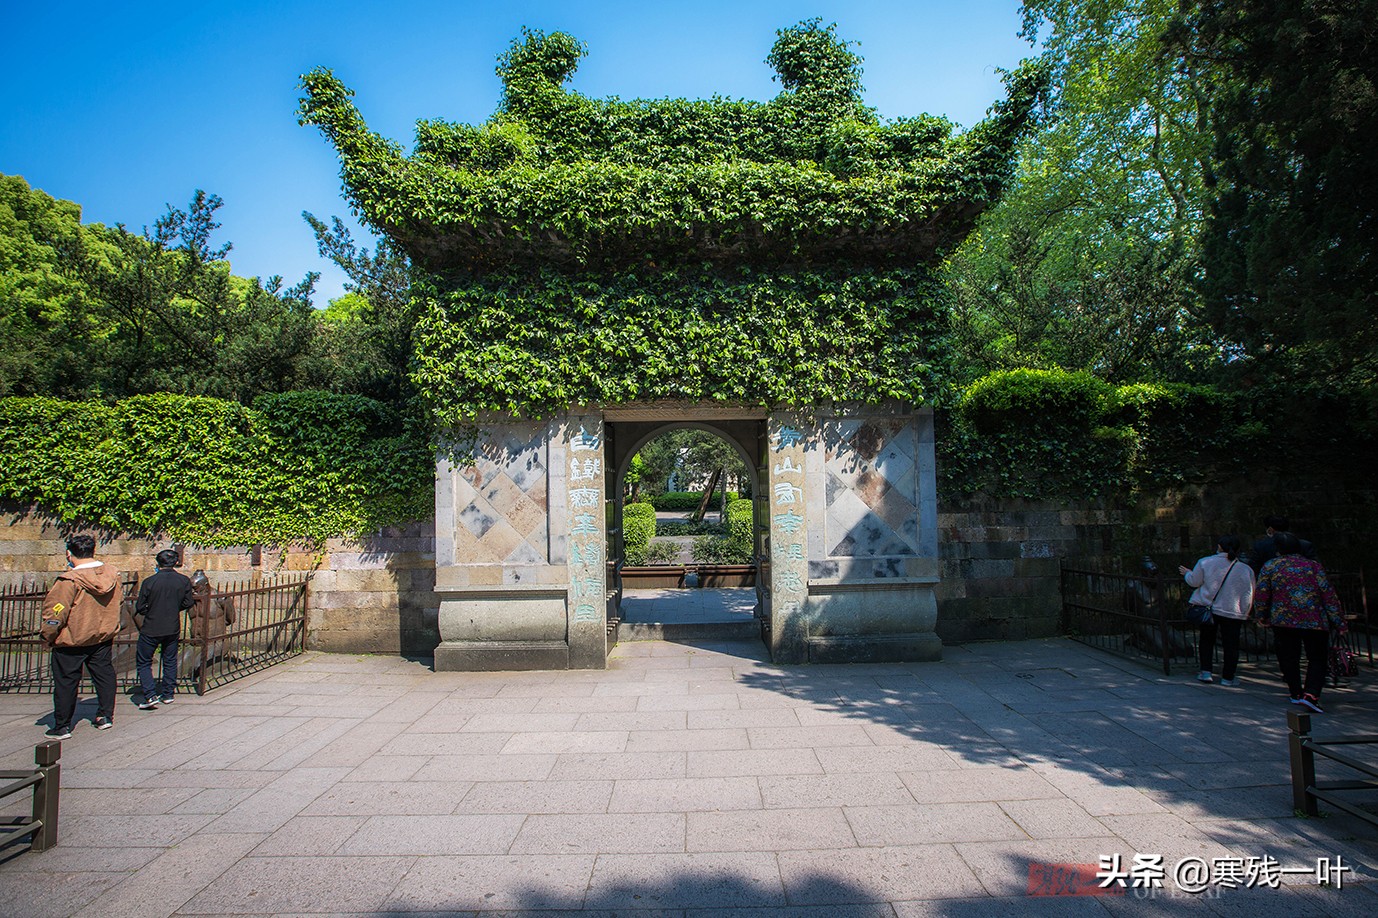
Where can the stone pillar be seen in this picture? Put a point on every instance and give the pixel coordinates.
(503, 576)
(870, 490)
(587, 538)
(790, 437)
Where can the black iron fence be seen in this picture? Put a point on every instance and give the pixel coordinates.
(239, 628)
(1141, 615)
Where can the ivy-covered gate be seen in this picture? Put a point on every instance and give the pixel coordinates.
(582, 264)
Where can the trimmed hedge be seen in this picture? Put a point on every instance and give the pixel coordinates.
(1055, 433)
(741, 530)
(300, 466)
(682, 500)
(736, 546)
(638, 528)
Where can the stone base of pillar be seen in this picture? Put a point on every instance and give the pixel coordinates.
(498, 656)
(919, 647)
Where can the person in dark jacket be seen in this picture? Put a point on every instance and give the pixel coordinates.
(1265, 549)
(81, 616)
(158, 613)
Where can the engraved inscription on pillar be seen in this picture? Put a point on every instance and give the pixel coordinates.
(587, 535)
(788, 529)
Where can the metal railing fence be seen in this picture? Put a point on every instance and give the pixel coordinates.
(45, 781)
(1141, 615)
(1306, 790)
(238, 629)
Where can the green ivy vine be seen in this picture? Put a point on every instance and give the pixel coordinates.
(583, 251)
(300, 466)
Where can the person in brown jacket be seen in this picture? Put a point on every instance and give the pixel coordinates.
(81, 616)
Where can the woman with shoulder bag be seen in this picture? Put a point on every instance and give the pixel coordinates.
(1226, 588)
(1296, 600)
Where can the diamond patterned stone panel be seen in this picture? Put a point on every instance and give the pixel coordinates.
(872, 498)
(503, 498)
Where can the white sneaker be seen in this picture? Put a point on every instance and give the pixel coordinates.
(1229, 683)
(1203, 676)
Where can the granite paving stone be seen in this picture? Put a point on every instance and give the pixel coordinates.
(479, 767)
(361, 798)
(131, 830)
(814, 828)
(601, 833)
(977, 784)
(916, 824)
(430, 742)
(867, 788)
(576, 766)
(310, 836)
(124, 801)
(536, 797)
(517, 882)
(876, 874)
(1003, 866)
(565, 741)
(56, 894)
(214, 800)
(686, 740)
(377, 767)
(274, 885)
(713, 763)
(682, 795)
(685, 779)
(170, 880)
(432, 835)
(1053, 818)
(810, 737)
(701, 880)
(271, 806)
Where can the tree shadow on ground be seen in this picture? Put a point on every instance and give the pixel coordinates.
(1126, 745)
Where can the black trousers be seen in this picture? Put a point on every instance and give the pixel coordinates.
(166, 685)
(1228, 629)
(67, 663)
(1290, 642)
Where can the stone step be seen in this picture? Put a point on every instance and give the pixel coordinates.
(747, 629)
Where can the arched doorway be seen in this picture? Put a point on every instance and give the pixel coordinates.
(847, 550)
(687, 598)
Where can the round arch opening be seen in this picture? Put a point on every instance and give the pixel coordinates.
(686, 598)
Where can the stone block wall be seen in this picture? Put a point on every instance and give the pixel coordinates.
(1001, 558)
(373, 595)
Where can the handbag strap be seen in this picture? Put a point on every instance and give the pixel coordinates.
(1222, 581)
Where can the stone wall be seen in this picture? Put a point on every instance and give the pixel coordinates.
(1001, 558)
(374, 595)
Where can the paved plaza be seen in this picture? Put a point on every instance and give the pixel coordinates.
(685, 780)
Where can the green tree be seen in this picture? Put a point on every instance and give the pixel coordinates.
(1088, 261)
(46, 311)
(369, 330)
(691, 456)
(1291, 238)
(178, 321)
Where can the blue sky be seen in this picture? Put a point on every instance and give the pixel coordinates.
(127, 107)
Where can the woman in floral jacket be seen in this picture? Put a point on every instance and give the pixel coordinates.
(1295, 598)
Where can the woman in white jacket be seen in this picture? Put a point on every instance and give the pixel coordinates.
(1227, 586)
